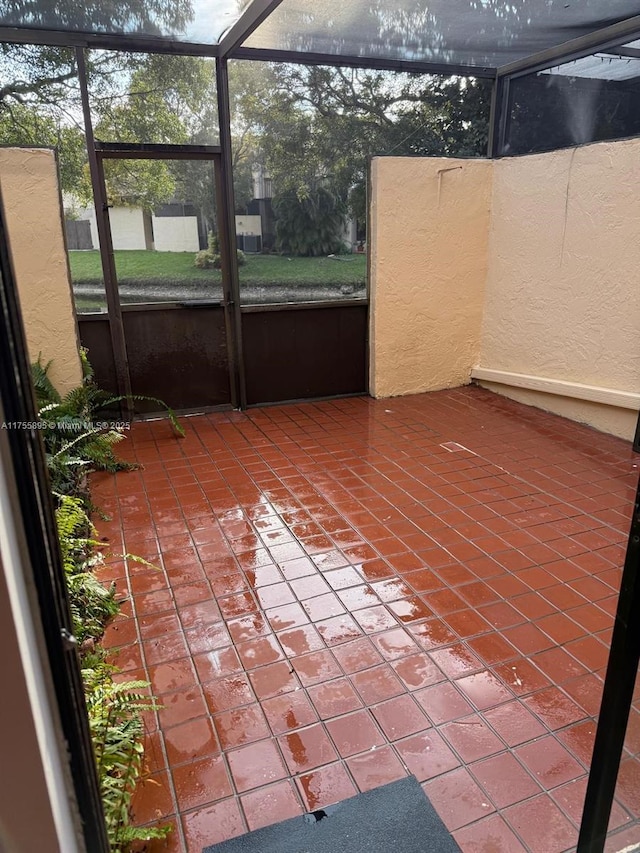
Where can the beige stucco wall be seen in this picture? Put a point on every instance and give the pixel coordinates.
(429, 226)
(562, 295)
(29, 184)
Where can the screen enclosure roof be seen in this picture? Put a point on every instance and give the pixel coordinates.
(463, 35)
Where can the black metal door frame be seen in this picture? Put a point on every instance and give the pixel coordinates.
(49, 602)
(98, 152)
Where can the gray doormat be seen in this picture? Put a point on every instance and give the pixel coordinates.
(396, 818)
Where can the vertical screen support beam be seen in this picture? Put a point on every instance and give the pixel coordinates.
(227, 229)
(96, 170)
(498, 116)
(617, 696)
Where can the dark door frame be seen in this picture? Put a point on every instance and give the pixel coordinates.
(98, 152)
(45, 579)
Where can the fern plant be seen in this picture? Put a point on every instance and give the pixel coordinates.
(115, 722)
(114, 709)
(75, 439)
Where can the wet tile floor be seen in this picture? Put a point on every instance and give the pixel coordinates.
(354, 590)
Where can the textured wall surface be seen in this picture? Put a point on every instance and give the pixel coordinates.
(429, 236)
(562, 295)
(29, 183)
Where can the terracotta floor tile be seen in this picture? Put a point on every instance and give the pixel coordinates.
(377, 684)
(375, 768)
(373, 619)
(579, 739)
(259, 652)
(570, 798)
(456, 660)
(489, 834)
(306, 749)
(189, 741)
(483, 690)
(256, 765)
(338, 629)
(274, 595)
(354, 733)
(170, 676)
(504, 779)
(299, 641)
(549, 762)
(399, 717)
(248, 627)
(287, 616)
(152, 800)
(316, 667)
(271, 804)
(542, 826)
(417, 671)
(395, 643)
(241, 725)
(433, 634)
(200, 782)
(514, 723)
(467, 623)
(325, 786)
(207, 638)
(273, 679)
(426, 755)
(213, 824)
(343, 578)
(289, 711)
(443, 702)
(309, 586)
(554, 708)
(558, 665)
(457, 798)
(501, 615)
(357, 655)
(628, 787)
(471, 738)
(528, 639)
(229, 692)
(183, 704)
(521, 676)
(334, 698)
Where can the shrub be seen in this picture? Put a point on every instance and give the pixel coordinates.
(210, 258)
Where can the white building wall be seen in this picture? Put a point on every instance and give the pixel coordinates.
(175, 233)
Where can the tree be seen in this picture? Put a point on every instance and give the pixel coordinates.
(319, 125)
(309, 221)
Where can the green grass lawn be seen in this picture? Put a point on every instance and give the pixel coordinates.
(141, 266)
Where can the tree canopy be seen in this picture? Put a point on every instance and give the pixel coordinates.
(312, 128)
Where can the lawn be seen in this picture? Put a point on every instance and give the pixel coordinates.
(137, 267)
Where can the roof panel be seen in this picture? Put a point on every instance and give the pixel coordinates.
(189, 21)
(465, 32)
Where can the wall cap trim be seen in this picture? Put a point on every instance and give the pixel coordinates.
(577, 390)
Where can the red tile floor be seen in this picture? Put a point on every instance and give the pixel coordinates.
(354, 590)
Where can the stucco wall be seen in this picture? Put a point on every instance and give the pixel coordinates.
(428, 254)
(29, 183)
(562, 294)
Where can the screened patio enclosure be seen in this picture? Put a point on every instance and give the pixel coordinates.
(562, 74)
